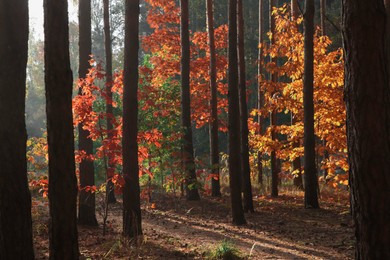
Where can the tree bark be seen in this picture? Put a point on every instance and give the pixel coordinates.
(367, 95)
(260, 94)
(295, 9)
(233, 120)
(109, 111)
(244, 131)
(131, 192)
(188, 147)
(214, 150)
(62, 177)
(87, 214)
(273, 119)
(311, 181)
(323, 16)
(15, 201)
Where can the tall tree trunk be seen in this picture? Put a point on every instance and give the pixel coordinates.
(311, 181)
(260, 94)
(233, 124)
(62, 176)
(109, 111)
(87, 178)
(273, 119)
(131, 192)
(296, 167)
(214, 150)
(244, 131)
(367, 98)
(15, 201)
(188, 147)
(323, 16)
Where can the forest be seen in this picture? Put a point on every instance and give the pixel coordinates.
(194, 129)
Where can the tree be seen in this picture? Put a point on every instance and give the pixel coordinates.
(87, 178)
(188, 148)
(366, 95)
(233, 124)
(260, 94)
(62, 177)
(311, 181)
(15, 201)
(131, 191)
(323, 16)
(244, 131)
(214, 151)
(109, 110)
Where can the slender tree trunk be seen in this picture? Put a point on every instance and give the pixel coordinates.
(273, 119)
(244, 131)
(233, 124)
(87, 178)
(62, 176)
(109, 111)
(311, 181)
(260, 94)
(295, 9)
(368, 117)
(131, 192)
(214, 151)
(188, 148)
(323, 16)
(15, 201)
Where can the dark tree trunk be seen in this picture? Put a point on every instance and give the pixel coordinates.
(234, 119)
(311, 181)
(15, 201)
(367, 95)
(87, 178)
(214, 151)
(109, 111)
(294, 9)
(62, 177)
(188, 148)
(323, 16)
(274, 170)
(131, 192)
(244, 131)
(260, 94)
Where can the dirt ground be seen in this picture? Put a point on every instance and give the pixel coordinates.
(176, 229)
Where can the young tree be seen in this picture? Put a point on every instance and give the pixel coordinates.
(87, 178)
(62, 176)
(131, 191)
(323, 16)
(260, 94)
(366, 95)
(233, 124)
(244, 131)
(311, 181)
(15, 201)
(214, 150)
(188, 148)
(108, 49)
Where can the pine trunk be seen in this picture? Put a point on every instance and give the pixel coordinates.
(109, 111)
(244, 131)
(86, 199)
(367, 95)
(188, 147)
(62, 177)
(15, 201)
(233, 124)
(214, 150)
(311, 181)
(131, 191)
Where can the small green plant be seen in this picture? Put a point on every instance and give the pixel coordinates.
(224, 250)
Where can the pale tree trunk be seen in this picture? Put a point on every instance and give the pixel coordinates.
(16, 240)
(188, 147)
(233, 120)
(311, 181)
(62, 177)
(214, 150)
(131, 192)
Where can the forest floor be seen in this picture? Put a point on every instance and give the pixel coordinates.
(176, 229)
